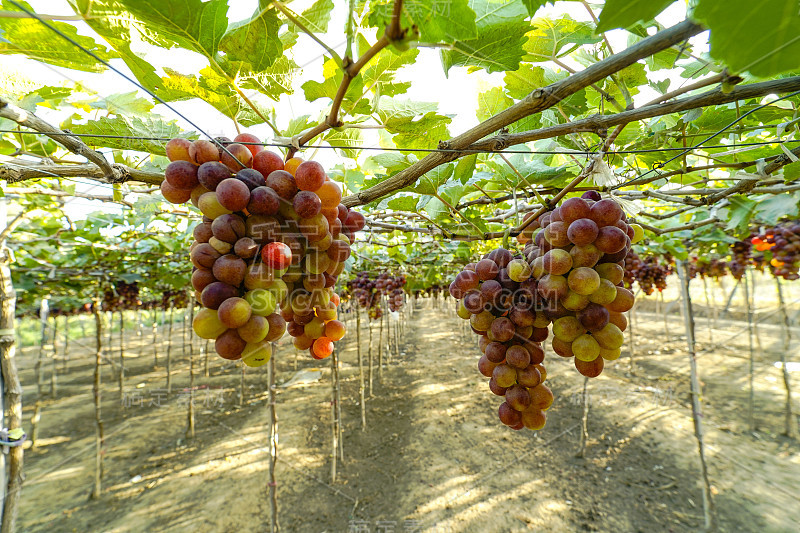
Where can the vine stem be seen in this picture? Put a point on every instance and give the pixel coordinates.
(537, 101)
(351, 70)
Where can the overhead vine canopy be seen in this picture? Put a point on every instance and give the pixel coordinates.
(688, 117)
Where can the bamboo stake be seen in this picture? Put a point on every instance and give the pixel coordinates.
(155, 338)
(204, 352)
(790, 421)
(241, 386)
(751, 400)
(360, 371)
(37, 370)
(380, 351)
(273, 445)
(631, 341)
(12, 401)
(334, 417)
(53, 369)
(190, 413)
(66, 343)
(121, 350)
(169, 349)
(664, 314)
(709, 512)
(99, 439)
(369, 325)
(110, 331)
(584, 420)
(709, 311)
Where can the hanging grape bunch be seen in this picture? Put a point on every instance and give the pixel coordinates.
(741, 256)
(782, 243)
(392, 286)
(649, 273)
(367, 294)
(570, 274)
(128, 294)
(273, 234)
(498, 297)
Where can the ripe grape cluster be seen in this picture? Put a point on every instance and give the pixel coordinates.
(782, 242)
(274, 237)
(122, 295)
(368, 292)
(649, 272)
(741, 256)
(570, 275)
(175, 298)
(708, 266)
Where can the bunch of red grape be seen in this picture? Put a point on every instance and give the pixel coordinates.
(741, 256)
(174, 298)
(368, 292)
(128, 294)
(498, 297)
(649, 273)
(273, 233)
(570, 274)
(708, 266)
(782, 242)
(392, 287)
(580, 268)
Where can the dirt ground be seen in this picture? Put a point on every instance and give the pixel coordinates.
(434, 456)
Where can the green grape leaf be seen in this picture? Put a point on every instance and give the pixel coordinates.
(274, 81)
(328, 88)
(298, 125)
(553, 37)
(492, 102)
(436, 209)
(392, 161)
(403, 203)
(498, 45)
(393, 110)
(380, 73)
(424, 132)
(344, 139)
(740, 211)
(465, 168)
(773, 208)
(209, 86)
(190, 24)
(430, 182)
(315, 18)
(123, 104)
(625, 13)
(134, 127)
(254, 42)
(756, 37)
(440, 21)
(247, 116)
(30, 37)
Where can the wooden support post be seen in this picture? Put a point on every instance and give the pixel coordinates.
(37, 370)
(190, 412)
(709, 512)
(99, 438)
(11, 402)
(790, 421)
(362, 400)
(273, 446)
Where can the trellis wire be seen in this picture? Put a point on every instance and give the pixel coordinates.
(698, 145)
(447, 150)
